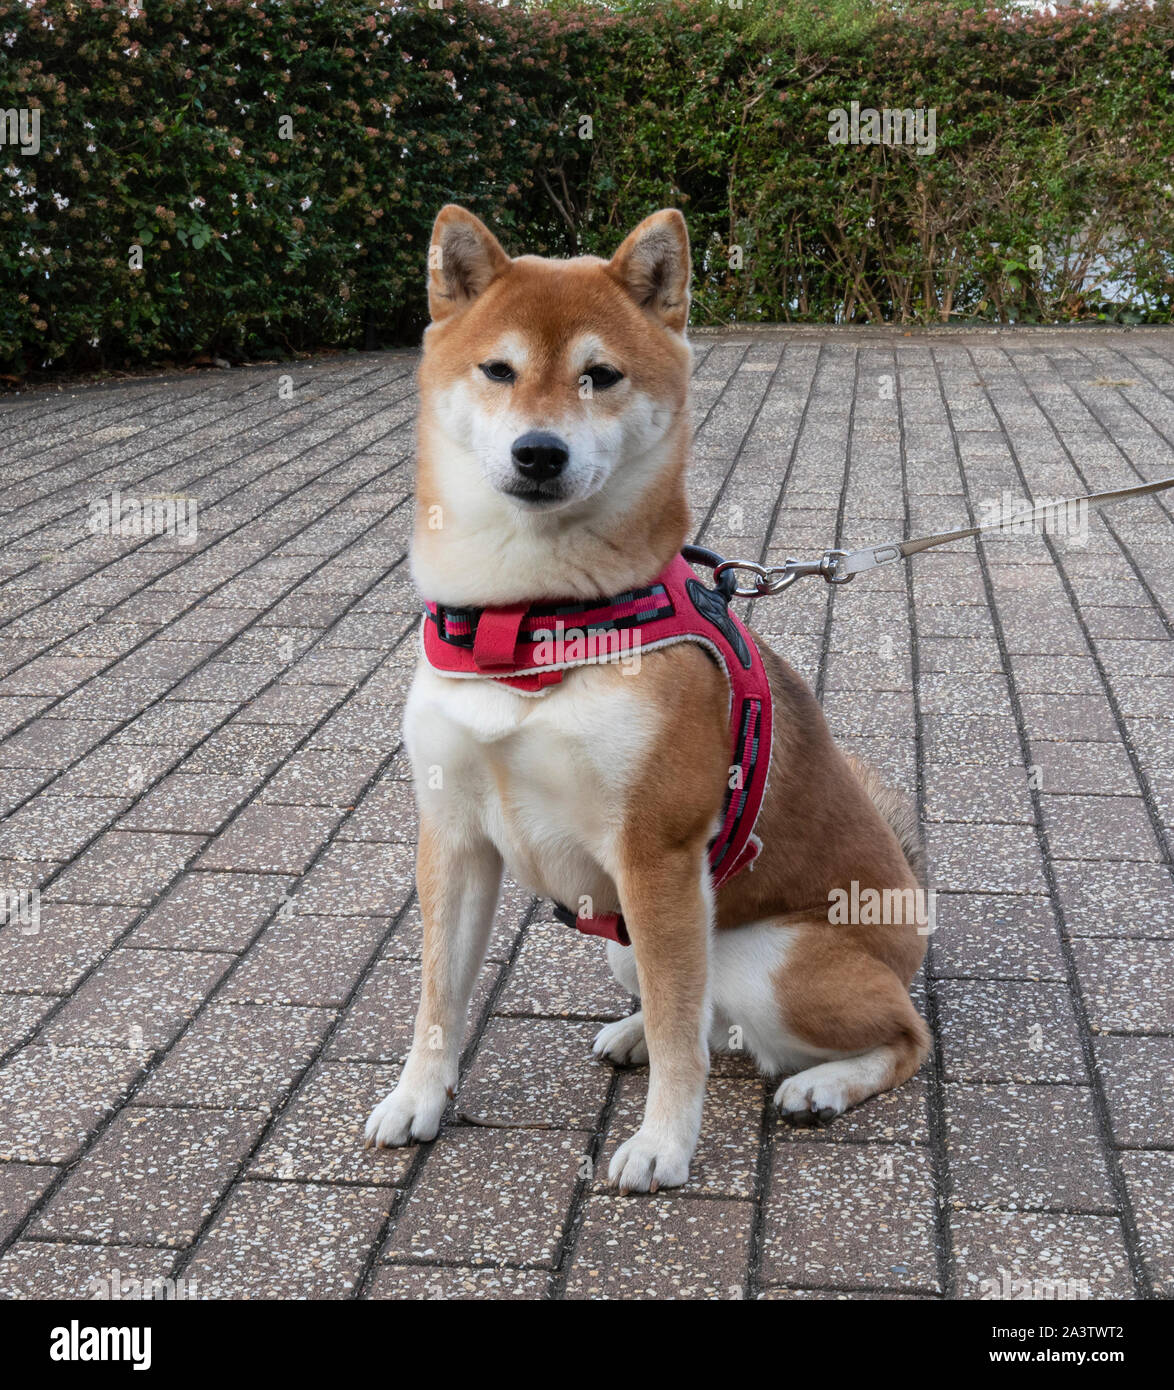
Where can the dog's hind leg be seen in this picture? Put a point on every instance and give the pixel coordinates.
(847, 1003)
(623, 1042)
(458, 896)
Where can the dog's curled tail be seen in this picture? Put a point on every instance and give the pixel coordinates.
(899, 813)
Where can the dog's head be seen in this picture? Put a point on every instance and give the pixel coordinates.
(556, 381)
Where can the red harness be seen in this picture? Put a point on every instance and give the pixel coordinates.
(528, 646)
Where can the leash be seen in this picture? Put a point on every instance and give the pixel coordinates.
(842, 566)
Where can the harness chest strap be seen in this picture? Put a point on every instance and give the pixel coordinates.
(529, 647)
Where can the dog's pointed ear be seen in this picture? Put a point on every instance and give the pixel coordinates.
(653, 266)
(464, 259)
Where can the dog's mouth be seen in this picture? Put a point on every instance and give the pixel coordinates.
(536, 495)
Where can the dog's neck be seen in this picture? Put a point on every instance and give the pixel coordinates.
(482, 550)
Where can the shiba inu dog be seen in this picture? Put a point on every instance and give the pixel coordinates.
(553, 443)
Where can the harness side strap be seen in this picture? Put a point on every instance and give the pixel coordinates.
(609, 925)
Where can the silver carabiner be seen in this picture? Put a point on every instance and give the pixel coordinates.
(769, 579)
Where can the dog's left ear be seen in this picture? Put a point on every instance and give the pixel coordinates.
(653, 266)
(463, 260)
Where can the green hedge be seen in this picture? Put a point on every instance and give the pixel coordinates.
(562, 126)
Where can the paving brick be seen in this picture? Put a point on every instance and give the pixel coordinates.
(1115, 899)
(1026, 1147)
(414, 1283)
(183, 722)
(238, 1055)
(19, 1016)
(1042, 1256)
(780, 1295)
(980, 795)
(898, 1116)
(996, 935)
(116, 770)
(984, 858)
(322, 778)
(153, 1177)
(292, 704)
(387, 814)
(319, 1137)
(137, 999)
(1138, 1076)
(661, 1248)
(125, 867)
(18, 784)
(860, 1215)
(358, 880)
(54, 742)
(535, 1073)
(1127, 985)
(1082, 769)
(1007, 1030)
(188, 803)
(290, 1241)
(52, 1099)
(377, 1025)
(307, 960)
(21, 1187)
(49, 956)
(491, 1196)
(252, 750)
(213, 911)
(1099, 827)
(561, 973)
(33, 1269)
(271, 839)
(56, 827)
(1149, 1178)
(726, 1161)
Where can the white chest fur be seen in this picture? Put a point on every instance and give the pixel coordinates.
(544, 778)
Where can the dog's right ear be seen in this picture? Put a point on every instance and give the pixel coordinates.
(463, 261)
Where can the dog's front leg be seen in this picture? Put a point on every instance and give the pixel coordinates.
(667, 908)
(458, 885)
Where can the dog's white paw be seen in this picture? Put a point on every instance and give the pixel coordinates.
(623, 1042)
(648, 1162)
(809, 1099)
(408, 1113)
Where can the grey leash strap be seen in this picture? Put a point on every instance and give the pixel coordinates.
(842, 566)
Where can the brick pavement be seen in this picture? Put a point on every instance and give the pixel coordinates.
(211, 956)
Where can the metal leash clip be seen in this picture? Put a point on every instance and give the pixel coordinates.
(773, 579)
(842, 566)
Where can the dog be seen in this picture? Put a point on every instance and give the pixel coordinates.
(553, 443)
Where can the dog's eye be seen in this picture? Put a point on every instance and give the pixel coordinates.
(498, 371)
(602, 377)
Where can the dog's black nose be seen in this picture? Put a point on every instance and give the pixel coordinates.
(540, 455)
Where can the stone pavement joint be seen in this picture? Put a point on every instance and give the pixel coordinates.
(209, 940)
